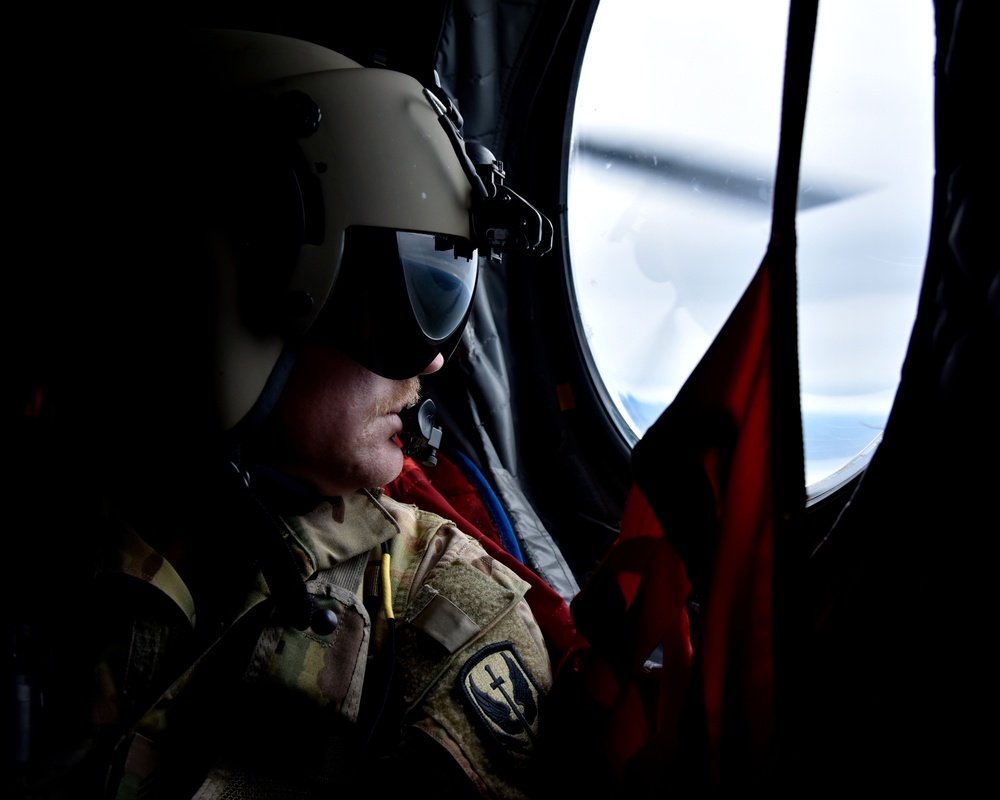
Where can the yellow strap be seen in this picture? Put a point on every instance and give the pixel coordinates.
(387, 586)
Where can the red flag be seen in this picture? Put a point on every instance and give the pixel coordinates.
(717, 482)
(699, 527)
(707, 468)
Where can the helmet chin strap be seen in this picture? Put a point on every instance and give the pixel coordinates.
(264, 404)
(277, 562)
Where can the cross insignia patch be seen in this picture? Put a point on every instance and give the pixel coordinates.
(503, 697)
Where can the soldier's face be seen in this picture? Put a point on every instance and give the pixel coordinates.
(335, 424)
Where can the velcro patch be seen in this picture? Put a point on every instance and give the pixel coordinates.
(446, 623)
(503, 697)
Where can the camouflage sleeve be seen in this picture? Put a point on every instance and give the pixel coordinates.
(130, 627)
(471, 657)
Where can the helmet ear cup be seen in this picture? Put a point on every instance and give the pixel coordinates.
(272, 201)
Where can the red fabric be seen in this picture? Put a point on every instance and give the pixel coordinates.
(635, 602)
(461, 495)
(738, 647)
(700, 514)
(413, 486)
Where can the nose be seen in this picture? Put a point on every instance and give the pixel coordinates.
(434, 366)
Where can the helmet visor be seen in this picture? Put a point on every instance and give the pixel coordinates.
(439, 283)
(401, 298)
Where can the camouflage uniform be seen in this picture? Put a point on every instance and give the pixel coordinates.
(270, 711)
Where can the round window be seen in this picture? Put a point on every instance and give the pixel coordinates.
(674, 143)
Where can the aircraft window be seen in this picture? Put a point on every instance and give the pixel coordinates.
(672, 162)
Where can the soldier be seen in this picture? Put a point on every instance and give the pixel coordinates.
(273, 624)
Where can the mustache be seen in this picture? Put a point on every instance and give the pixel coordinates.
(406, 392)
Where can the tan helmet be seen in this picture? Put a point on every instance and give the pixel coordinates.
(346, 147)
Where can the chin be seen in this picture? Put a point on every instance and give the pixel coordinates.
(388, 469)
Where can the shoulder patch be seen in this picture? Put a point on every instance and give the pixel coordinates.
(503, 697)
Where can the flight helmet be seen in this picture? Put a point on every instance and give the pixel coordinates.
(351, 211)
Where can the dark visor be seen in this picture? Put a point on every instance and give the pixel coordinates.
(400, 298)
(439, 283)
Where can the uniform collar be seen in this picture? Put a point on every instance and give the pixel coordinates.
(338, 529)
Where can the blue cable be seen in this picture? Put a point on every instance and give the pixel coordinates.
(491, 501)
